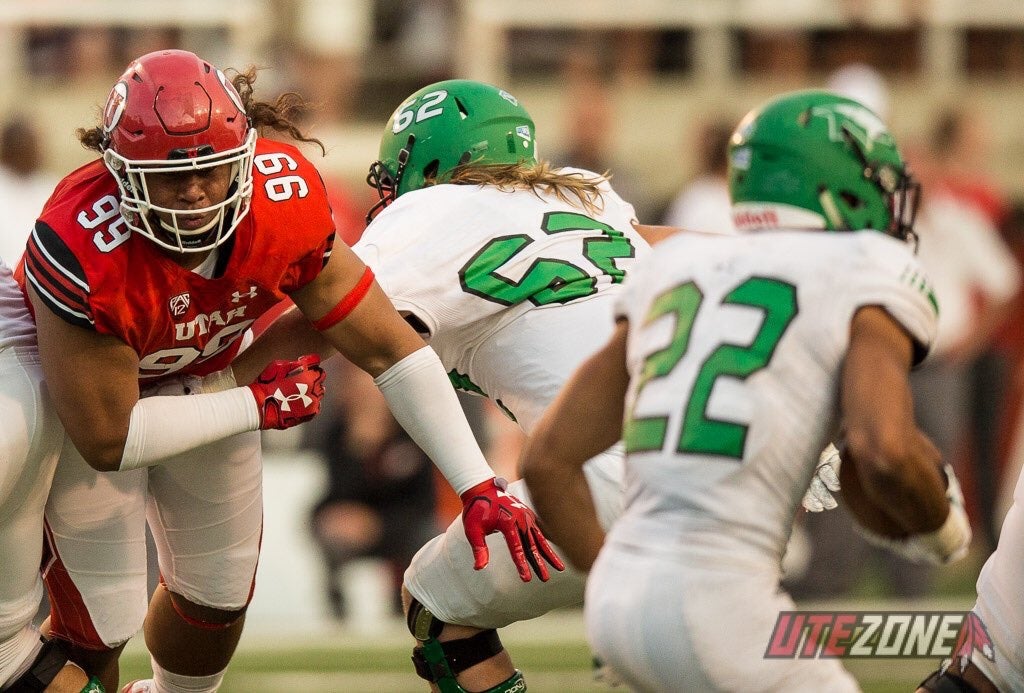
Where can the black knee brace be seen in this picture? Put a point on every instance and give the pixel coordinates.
(440, 662)
(50, 659)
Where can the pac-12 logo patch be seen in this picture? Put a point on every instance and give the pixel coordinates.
(179, 304)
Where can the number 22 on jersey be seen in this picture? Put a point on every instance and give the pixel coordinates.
(699, 433)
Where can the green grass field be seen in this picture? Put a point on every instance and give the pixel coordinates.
(551, 651)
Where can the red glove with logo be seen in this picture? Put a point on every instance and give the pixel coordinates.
(487, 508)
(289, 392)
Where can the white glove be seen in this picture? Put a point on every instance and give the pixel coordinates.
(947, 544)
(824, 483)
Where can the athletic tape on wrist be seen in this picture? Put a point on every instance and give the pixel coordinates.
(950, 541)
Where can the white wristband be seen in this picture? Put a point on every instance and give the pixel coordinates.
(950, 541)
(164, 426)
(947, 544)
(423, 401)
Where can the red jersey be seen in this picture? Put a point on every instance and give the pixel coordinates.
(89, 269)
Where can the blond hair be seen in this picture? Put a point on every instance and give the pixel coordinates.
(572, 187)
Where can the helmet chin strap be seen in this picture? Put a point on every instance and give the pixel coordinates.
(193, 232)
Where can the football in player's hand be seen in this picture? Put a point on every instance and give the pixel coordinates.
(865, 511)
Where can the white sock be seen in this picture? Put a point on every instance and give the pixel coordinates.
(168, 682)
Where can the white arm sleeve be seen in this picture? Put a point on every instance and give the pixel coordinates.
(161, 427)
(423, 401)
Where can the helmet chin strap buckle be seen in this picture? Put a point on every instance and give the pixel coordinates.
(403, 160)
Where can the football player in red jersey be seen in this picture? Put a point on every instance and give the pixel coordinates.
(145, 271)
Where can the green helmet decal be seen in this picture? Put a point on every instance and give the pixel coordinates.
(445, 125)
(814, 159)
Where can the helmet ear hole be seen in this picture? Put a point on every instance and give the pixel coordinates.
(852, 201)
(430, 170)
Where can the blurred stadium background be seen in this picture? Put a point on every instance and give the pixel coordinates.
(623, 85)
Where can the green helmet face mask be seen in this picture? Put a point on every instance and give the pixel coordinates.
(814, 159)
(445, 125)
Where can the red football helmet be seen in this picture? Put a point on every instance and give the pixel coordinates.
(172, 111)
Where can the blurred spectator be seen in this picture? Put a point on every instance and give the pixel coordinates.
(862, 83)
(962, 143)
(330, 42)
(90, 53)
(976, 277)
(24, 185)
(589, 131)
(380, 499)
(704, 204)
(1010, 341)
(636, 52)
(426, 36)
(778, 53)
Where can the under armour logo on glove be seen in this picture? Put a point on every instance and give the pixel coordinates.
(299, 396)
(488, 508)
(289, 392)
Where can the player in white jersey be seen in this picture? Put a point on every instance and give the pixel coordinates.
(510, 267)
(993, 660)
(30, 442)
(734, 360)
(1000, 587)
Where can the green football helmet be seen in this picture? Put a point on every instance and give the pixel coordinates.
(814, 159)
(445, 125)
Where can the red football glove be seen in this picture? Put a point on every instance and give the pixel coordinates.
(289, 392)
(488, 508)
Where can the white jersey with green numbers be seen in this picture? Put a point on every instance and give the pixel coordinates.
(514, 288)
(735, 350)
